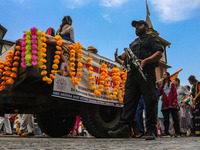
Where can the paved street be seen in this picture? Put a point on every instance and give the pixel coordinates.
(43, 143)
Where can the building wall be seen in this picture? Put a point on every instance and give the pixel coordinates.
(4, 48)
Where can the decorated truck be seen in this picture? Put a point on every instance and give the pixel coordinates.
(58, 80)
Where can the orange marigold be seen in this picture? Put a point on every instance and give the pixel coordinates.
(58, 37)
(56, 57)
(43, 73)
(43, 45)
(72, 73)
(43, 50)
(58, 52)
(43, 39)
(79, 69)
(49, 81)
(90, 68)
(56, 61)
(108, 92)
(92, 83)
(16, 58)
(80, 59)
(79, 74)
(80, 55)
(17, 47)
(100, 90)
(93, 87)
(91, 72)
(43, 67)
(72, 59)
(15, 64)
(44, 78)
(53, 71)
(59, 42)
(92, 78)
(43, 55)
(72, 64)
(76, 82)
(80, 51)
(55, 66)
(58, 48)
(13, 75)
(43, 60)
(80, 64)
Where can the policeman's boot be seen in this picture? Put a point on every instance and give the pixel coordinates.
(122, 132)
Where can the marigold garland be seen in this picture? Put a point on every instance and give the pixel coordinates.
(73, 50)
(8, 69)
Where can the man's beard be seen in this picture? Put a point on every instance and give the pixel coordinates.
(140, 32)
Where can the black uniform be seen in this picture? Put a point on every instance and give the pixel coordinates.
(136, 86)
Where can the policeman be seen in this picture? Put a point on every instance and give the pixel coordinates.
(148, 51)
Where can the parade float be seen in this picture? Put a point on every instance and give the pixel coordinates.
(58, 80)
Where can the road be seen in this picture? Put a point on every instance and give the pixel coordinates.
(83, 143)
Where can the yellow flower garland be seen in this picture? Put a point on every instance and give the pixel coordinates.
(76, 49)
(8, 69)
(56, 60)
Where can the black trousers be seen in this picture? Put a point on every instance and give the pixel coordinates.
(135, 87)
(174, 113)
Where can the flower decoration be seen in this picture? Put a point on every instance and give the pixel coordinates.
(73, 50)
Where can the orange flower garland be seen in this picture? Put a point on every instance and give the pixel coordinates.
(123, 77)
(8, 69)
(76, 49)
(56, 60)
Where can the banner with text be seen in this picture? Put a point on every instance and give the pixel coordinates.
(64, 88)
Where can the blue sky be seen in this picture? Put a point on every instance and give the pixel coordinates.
(106, 25)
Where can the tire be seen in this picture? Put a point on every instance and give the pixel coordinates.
(98, 119)
(53, 125)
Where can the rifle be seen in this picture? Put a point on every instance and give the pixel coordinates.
(134, 60)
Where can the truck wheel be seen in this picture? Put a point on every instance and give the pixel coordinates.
(53, 125)
(98, 120)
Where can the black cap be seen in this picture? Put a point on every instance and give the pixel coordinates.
(139, 22)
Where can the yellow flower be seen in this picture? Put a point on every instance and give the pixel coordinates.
(43, 67)
(91, 72)
(73, 79)
(79, 69)
(57, 57)
(72, 73)
(49, 81)
(59, 42)
(80, 59)
(72, 68)
(79, 74)
(18, 48)
(13, 75)
(58, 48)
(43, 73)
(80, 55)
(43, 55)
(72, 52)
(43, 39)
(72, 59)
(101, 86)
(43, 34)
(56, 61)
(76, 83)
(15, 64)
(93, 88)
(52, 76)
(53, 71)
(43, 50)
(110, 96)
(89, 63)
(90, 68)
(58, 52)
(80, 64)
(108, 92)
(58, 37)
(80, 51)
(92, 82)
(43, 60)
(55, 66)
(72, 64)
(16, 58)
(96, 91)
(114, 93)
(44, 45)
(89, 59)
(91, 78)
(119, 96)
(44, 78)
